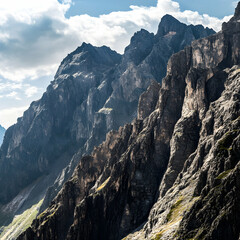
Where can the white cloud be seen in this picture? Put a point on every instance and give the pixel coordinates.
(28, 10)
(29, 92)
(35, 35)
(8, 116)
(12, 94)
(190, 17)
(8, 86)
(234, 3)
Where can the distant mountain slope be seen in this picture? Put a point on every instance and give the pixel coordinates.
(2, 132)
(173, 174)
(94, 91)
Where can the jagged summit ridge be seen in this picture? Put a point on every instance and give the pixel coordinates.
(88, 58)
(236, 16)
(169, 24)
(140, 46)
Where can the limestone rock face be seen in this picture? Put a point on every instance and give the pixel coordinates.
(148, 100)
(25, 154)
(173, 173)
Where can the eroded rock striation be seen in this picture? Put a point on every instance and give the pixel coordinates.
(94, 91)
(173, 173)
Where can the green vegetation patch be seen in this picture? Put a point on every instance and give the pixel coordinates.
(227, 139)
(74, 179)
(223, 174)
(103, 185)
(42, 214)
(46, 215)
(158, 236)
(20, 223)
(174, 217)
(175, 209)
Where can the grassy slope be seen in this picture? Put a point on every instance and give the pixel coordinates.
(20, 223)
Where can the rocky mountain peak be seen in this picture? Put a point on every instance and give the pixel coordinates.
(88, 58)
(169, 24)
(140, 46)
(237, 12)
(233, 26)
(140, 35)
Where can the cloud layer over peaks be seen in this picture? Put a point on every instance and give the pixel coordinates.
(35, 35)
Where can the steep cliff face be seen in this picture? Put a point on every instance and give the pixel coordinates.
(25, 153)
(173, 173)
(94, 91)
(2, 132)
(42, 143)
(198, 195)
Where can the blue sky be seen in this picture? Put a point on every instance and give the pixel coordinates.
(36, 35)
(97, 7)
(216, 8)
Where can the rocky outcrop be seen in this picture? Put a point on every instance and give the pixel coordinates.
(173, 172)
(198, 193)
(215, 215)
(148, 100)
(42, 143)
(2, 132)
(25, 154)
(186, 181)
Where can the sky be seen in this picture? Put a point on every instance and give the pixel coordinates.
(36, 35)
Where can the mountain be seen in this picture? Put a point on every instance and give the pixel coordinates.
(95, 90)
(2, 132)
(173, 173)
